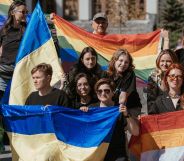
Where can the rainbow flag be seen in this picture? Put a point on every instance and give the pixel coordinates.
(4, 6)
(39, 133)
(72, 40)
(36, 47)
(161, 138)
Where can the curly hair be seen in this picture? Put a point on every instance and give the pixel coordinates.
(119, 52)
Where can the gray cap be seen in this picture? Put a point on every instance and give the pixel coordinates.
(100, 15)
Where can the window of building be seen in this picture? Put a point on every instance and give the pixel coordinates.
(48, 6)
(70, 11)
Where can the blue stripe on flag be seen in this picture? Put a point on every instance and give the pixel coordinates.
(2, 20)
(69, 55)
(38, 28)
(74, 127)
(86, 129)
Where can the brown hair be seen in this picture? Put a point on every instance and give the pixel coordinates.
(172, 66)
(171, 54)
(9, 21)
(111, 71)
(43, 67)
(104, 81)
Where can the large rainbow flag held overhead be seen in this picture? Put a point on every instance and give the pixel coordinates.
(72, 40)
(36, 47)
(161, 138)
(54, 133)
(4, 6)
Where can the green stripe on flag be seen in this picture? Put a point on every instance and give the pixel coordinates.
(4, 9)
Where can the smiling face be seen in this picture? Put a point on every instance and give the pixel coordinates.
(175, 79)
(89, 60)
(83, 87)
(41, 81)
(104, 93)
(122, 64)
(165, 62)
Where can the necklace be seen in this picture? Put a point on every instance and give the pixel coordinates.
(174, 95)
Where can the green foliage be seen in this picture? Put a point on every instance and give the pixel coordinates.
(172, 19)
(173, 15)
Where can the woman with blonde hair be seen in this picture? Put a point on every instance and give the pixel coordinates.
(156, 85)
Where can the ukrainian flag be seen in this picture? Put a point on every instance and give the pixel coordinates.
(54, 133)
(36, 47)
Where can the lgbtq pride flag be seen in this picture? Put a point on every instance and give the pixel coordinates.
(55, 133)
(72, 40)
(4, 6)
(36, 47)
(161, 138)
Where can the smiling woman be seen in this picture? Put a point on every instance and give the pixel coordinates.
(87, 64)
(156, 85)
(104, 89)
(83, 93)
(121, 72)
(170, 100)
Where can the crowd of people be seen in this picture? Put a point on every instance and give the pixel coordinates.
(87, 85)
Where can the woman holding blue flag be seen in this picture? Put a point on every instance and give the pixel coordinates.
(10, 38)
(117, 148)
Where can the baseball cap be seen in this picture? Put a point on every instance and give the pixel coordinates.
(100, 15)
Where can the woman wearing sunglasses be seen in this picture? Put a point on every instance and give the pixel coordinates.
(156, 85)
(104, 89)
(121, 72)
(10, 38)
(170, 100)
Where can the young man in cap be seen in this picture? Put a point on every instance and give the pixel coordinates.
(100, 23)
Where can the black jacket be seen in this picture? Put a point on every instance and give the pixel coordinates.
(163, 104)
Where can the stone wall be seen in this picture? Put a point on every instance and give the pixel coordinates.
(130, 27)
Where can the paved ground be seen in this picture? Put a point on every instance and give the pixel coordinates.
(6, 155)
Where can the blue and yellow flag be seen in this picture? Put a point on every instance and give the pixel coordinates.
(39, 133)
(36, 47)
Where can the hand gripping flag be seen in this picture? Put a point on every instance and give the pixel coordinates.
(72, 40)
(55, 133)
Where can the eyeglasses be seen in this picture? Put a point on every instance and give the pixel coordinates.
(106, 91)
(173, 77)
(23, 12)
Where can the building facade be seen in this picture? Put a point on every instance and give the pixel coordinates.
(125, 16)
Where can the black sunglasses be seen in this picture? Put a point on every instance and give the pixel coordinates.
(106, 91)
